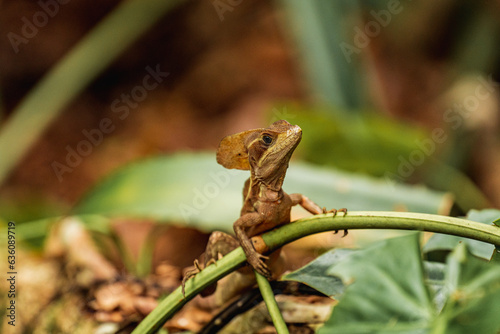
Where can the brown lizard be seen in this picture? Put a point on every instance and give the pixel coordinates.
(266, 153)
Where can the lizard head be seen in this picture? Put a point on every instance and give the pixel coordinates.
(266, 152)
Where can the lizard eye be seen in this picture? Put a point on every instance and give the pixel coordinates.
(267, 139)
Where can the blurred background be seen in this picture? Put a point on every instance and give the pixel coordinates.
(397, 99)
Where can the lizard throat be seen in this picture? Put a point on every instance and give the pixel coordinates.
(274, 181)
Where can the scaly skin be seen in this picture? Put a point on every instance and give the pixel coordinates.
(266, 153)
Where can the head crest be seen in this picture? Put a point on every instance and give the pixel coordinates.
(232, 152)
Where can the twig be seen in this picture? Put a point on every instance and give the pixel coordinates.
(272, 306)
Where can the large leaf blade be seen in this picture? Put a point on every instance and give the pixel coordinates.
(473, 294)
(192, 189)
(315, 274)
(384, 297)
(389, 292)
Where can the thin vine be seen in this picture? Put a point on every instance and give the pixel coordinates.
(272, 306)
(311, 225)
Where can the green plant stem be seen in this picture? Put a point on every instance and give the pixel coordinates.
(383, 220)
(73, 73)
(316, 224)
(144, 263)
(272, 306)
(123, 251)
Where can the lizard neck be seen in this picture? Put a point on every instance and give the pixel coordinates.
(265, 187)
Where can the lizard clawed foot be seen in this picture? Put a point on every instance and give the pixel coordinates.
(335, 211)
(343, 210)
(256, 260)
(346, 232)
(191, 273)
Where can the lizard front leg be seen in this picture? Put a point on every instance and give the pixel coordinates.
(255, 259)
(306, 203)
(313, 208)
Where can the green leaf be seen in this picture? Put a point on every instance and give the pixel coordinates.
(445, 242)
(192, 189)
(187, 188)
(333, 188)
(370, 143)
(496, 253)
(473, 296)
(435, 281)
(387, 292)
(318, 29)
(315, 274)
(484, 216)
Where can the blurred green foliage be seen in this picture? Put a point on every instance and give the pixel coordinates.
(192, 189)
(74, 72)
(367, 143)
(390, 290)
